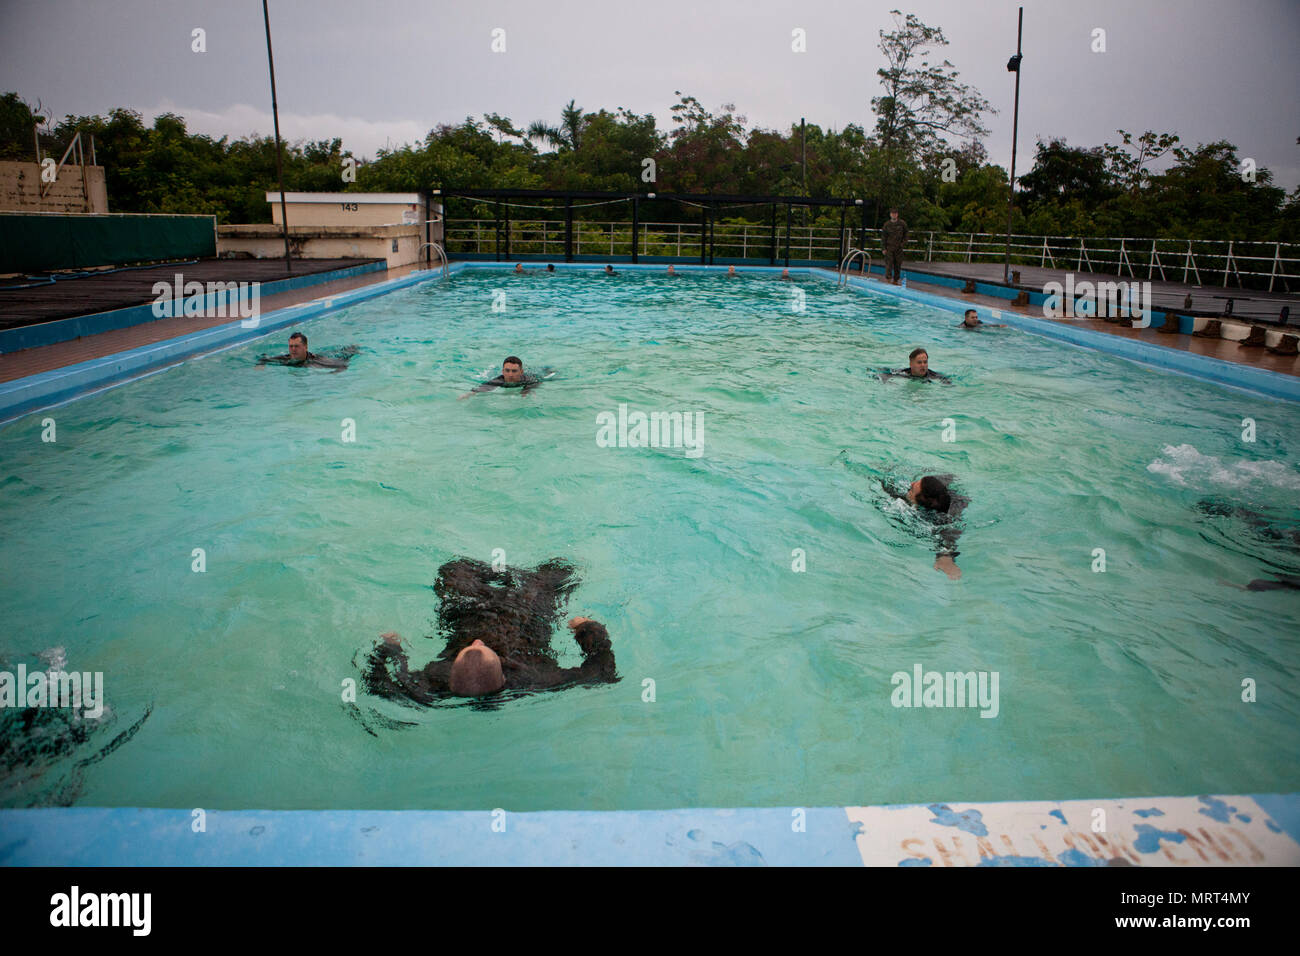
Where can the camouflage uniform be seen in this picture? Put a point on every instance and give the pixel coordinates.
(895, 238)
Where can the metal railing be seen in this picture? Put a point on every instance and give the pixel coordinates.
(846, 264)
(1264, 265)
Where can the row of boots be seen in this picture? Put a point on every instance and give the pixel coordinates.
(1288, 345)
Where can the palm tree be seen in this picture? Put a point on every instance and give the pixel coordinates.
(563, 137)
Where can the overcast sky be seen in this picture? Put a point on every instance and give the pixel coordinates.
(378, 72)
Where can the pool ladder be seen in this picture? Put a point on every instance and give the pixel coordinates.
(442, 256)
(843, 272)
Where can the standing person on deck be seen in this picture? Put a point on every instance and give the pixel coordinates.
(894, 235)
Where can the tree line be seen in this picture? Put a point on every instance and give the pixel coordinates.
(924, 153)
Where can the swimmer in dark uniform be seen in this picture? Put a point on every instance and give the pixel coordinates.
(943, 509)
(498, 629)
(609, 271)
(971, 321)
(1288, 538)
(512, 376)
(918, 367)
(299, 357)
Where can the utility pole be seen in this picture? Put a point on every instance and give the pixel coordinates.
(803, 136)
(279, 165)
(1013, 65)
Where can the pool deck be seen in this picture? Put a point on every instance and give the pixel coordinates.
(1251, 305)
(1217, 348)
(1259, 830)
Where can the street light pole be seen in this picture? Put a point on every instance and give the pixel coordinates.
(279, 166)
(1013, 65)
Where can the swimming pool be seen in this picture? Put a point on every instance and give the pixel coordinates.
(772, 686)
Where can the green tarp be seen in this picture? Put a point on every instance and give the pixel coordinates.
(41, 242)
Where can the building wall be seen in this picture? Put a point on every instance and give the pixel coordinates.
(326, 242)
(20, 189)
(350, 209)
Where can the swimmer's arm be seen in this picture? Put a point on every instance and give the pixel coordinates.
(597, 665)
(485, 387)
(389, 673)
(946, 564)
(890, 491)
(944, 559)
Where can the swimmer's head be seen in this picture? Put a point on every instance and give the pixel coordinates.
(918, 362)
(970, 320)
(298, 347)
(785, 273)
(550, 267)
(672, 271)
(476, 671)
(731, 270)
(512, 369)
(519, 267)
(609, 268)
(930, 492)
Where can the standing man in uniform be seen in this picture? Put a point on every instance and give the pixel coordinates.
(894, 233)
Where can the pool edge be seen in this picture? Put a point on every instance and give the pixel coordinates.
(1232, 830)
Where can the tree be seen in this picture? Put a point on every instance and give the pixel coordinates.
(1062, 173)
(1130, 170)
(922, 102)
(566, 136)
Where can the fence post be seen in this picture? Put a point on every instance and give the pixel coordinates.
(1277, 260)
(568, 229)
(843, 251)
(1226, 264)
(772, 237)
(635, 221)
(787, 235)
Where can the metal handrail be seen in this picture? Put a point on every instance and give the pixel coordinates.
(442, 255)
(842, 274)
(1213, 261)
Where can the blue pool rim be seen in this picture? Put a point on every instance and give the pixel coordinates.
(1043, 834)
(45, 390)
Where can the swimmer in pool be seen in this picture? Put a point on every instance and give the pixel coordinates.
(512, 376)
(918, 367)
(299, 357)
(942, 508)
(609, 271)
(672, 271)
(498, 627)
(971, 321)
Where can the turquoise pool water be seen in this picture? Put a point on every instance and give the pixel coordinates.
(772, 687)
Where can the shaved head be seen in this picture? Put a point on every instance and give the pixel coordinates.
(476, 671)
